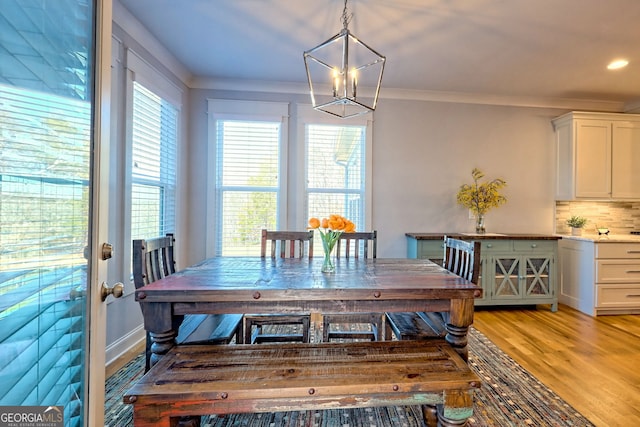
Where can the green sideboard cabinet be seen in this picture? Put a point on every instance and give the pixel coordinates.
(514, 269)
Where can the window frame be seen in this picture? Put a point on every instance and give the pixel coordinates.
(221, 109)
(307, 115)
(140, 71)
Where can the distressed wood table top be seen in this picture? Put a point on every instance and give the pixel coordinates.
(259, 285)
(250, 279)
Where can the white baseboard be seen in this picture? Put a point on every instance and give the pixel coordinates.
(122, 346)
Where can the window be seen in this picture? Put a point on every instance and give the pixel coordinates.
(153, 168)
(335, 171)
(247, 183)
(249, 164)
(247, 146)
(153, 135)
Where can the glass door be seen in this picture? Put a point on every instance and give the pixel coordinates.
(537, 276)
(49, 143)
(506, 277)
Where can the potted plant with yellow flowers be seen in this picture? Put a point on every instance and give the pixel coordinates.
(480, 197)
(333, 228)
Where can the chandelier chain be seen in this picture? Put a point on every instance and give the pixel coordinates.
(346, 17)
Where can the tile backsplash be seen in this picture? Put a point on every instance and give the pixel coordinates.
(619, 217)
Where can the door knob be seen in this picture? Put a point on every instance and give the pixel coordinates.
(117, 290)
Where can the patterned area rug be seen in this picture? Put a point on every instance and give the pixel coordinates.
(510, 397)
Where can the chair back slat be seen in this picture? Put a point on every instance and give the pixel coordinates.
(153, 259)
(360, 242)
(287, 244)
(462, 258)
(357, 245)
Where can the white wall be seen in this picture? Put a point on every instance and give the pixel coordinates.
(422, 152)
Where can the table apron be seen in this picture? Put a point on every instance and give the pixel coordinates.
(181, 308)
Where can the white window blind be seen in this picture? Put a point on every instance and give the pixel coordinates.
(153, 169)
(335, 171)
(247, 183)
(43, 177)
(44, 218)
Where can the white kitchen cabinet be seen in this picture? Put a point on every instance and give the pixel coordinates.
(600, 277)
(595, 156)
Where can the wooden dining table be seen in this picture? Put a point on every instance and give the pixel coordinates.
(291, 285)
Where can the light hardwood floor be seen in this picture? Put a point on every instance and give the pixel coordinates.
(592, 363)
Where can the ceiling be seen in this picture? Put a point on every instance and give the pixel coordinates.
(530, 49)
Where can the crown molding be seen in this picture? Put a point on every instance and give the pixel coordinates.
(503, 100)
(248, 85)
(632, 107)
(417, 95)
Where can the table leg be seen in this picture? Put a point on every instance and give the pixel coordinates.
(457, 337)
(162, 327)
(460, 318)
(161, 343)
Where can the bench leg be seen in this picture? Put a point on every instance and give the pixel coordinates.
(457, 408)
(447, 422)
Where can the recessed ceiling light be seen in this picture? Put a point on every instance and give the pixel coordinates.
(617, 64)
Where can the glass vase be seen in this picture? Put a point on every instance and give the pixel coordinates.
(480, 224)
(329, 240)
(327, 265)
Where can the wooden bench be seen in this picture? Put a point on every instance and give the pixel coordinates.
(199, 380)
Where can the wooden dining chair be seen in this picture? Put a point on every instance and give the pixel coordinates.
(287, 244)
(154, 259)
(354, 326)
(261, 328)
(357, 244)
(461, 258)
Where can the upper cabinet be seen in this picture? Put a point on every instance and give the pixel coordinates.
(596, 154)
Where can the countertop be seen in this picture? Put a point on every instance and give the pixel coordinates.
(486, 236)
(611, 238)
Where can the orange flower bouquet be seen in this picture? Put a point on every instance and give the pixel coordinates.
(333, 228)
